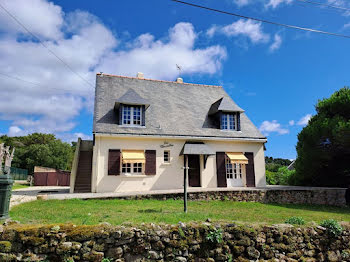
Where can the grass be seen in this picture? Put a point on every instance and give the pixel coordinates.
(170, 211)
(19, 186)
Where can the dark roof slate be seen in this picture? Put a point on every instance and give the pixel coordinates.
(131, 97)
(176, 109)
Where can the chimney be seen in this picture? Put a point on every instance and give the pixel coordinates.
(140, 75)
(179, 80)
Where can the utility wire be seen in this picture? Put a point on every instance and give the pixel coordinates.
(325, 5)
(262, 20)
(44, 45)
(33, 83)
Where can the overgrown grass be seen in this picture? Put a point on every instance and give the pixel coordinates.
(19, 186)
(169, 211)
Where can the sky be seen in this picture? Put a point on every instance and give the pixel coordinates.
(276, 74)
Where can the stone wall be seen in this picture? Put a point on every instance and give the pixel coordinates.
(191, 242)
(319, 196)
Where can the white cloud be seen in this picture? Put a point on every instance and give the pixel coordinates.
(304, 120)
(277, 42)
(68, 137)
(88, 46)
(248, 28)
(346, 26)
(158, 58)
(241, 2)
(29, 13)
(275, 3)
(291, 122)
(268, 127)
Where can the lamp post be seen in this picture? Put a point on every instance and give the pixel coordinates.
(185, 182)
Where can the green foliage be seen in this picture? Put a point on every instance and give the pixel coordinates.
(295, 221)
(324, 144)
(215, 236)
(106, 260)
(283, 176)
(40, 150)
(332, 226)
(273, 164)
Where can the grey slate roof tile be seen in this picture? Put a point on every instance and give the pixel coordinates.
(177, 109)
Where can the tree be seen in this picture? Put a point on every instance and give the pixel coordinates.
(40, 150)
(323, 146)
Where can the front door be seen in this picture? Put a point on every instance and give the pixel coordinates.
(194, 171)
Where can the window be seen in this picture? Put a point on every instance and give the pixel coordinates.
(233, 171)
(229, 170)
(132, 168)
(166, 156)
(131, 115)
(126, 168)
(228, 121)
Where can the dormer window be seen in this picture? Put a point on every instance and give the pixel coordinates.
(131, 115)
(228, 121)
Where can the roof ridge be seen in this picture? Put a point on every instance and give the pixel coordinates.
(156, 80)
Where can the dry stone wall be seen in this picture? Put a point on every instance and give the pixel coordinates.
(331, 197)
(182, 242)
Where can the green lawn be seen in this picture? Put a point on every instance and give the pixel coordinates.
(170, 211)
(19, 186)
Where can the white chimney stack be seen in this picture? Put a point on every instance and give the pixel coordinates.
(179, 80)
(140, 75)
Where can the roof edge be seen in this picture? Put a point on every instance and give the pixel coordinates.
(155, 80)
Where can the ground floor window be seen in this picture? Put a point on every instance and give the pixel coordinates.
(132, 168)
(233, 170)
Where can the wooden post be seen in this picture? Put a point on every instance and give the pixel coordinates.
(185, 182)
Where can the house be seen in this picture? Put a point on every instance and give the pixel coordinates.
(146, 131)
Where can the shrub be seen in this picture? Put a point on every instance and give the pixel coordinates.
(283, 176)
(295, 221)
(332, 226)
(215, 236)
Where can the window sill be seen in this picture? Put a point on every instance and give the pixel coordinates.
(228, 130)
(131, 126)
(165, 164)
(135, 176)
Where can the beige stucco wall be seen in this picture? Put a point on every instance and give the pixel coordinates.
(169, 176)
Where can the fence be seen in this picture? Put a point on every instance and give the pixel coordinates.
(19, 173)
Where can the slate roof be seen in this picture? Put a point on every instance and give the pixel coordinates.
(131, 97)
(175, 109)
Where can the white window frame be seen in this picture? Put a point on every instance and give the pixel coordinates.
(233, 171)
(132, 115)
(132, 167)
(164, 157)
(229, 125)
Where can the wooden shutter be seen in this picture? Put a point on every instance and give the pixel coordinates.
(238, 121)
(114, 162)
(250, 173)
(221, 169)
(150, 167)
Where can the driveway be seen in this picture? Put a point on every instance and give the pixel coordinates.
(20, 196)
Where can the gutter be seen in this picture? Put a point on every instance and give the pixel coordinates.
(209, 138)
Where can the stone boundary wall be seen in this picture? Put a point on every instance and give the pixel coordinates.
(331, 197)
(172, 243)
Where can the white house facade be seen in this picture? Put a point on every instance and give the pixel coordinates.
(148, 132)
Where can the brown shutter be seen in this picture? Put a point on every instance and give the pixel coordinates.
(221, 169)
(250, 173)
(150, 168)
(114, 162)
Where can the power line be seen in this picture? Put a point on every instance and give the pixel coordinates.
(33, 83)
(44, 45)
(262, 20)
(325, 5)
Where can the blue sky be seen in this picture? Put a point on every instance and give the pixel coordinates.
(275, 74)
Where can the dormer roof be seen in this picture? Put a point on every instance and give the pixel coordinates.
(131, 97)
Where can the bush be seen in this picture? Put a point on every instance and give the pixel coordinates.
(295, 221)
(282, 177)
(332, 226)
